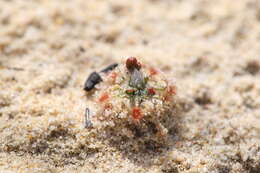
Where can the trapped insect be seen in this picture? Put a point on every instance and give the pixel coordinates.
(94, 78)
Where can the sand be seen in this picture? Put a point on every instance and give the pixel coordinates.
(48, 48)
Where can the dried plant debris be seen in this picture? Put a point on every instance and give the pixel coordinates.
(132, 100)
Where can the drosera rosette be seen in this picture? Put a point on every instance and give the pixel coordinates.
(133, 100)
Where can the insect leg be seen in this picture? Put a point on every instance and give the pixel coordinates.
(88, 122)
(109, 68)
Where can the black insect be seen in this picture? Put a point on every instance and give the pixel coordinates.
(94, 78)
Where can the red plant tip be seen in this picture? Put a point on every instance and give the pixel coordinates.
(171, 90)
(136, 113)
(108, 106)
(153, 71)
(132, 63)
(103, 97)
(150, 91)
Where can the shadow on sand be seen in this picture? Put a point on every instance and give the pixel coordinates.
(142, 149)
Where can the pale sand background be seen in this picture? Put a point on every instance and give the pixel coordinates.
(210, 47)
